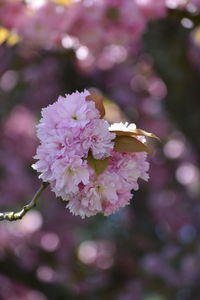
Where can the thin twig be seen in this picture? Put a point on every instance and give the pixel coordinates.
(14, 216)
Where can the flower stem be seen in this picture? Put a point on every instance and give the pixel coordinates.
(14, 216)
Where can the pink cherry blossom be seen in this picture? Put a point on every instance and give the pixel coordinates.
(98, 138)
(69, 130)
(11, 13)
(67, 174)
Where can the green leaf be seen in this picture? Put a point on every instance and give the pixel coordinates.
(127, 143)
(98, 165)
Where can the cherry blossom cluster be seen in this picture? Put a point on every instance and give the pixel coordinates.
(91, 165)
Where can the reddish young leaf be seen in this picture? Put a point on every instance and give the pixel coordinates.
(135, 132)
(98, 102)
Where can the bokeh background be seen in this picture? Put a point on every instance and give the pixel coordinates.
(144, 57)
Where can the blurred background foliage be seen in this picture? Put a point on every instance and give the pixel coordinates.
(144, 57)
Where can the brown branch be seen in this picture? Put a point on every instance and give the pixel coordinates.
(14, 216)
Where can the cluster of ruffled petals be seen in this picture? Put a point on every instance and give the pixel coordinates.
(111, 190)
(70, 131)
